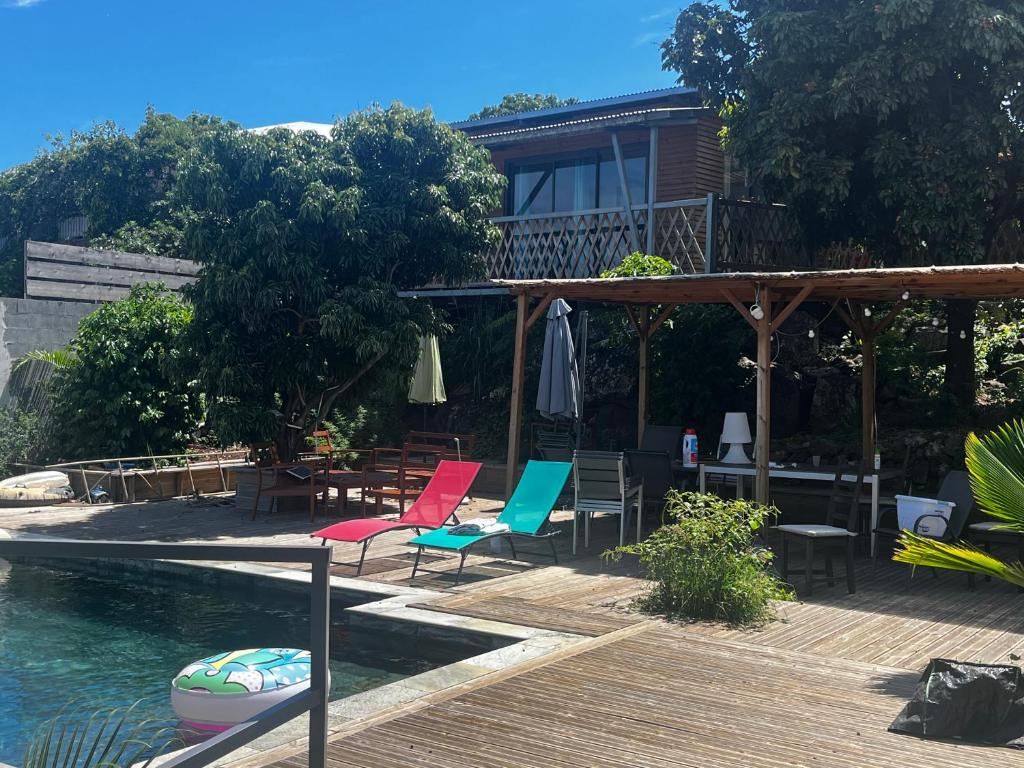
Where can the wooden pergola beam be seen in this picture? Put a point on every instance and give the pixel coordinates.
(665, 314)
(744, 312)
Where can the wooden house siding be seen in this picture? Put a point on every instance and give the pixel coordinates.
(675, 162)
(709, 160)
(690, 161)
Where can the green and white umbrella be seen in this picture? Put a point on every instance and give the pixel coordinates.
(427, 386)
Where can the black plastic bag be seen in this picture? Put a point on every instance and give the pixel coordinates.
(974, 703)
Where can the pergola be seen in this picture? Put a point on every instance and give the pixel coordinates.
(649, 301)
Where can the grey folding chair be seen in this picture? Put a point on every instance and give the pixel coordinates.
(653, 469)
(602, 486)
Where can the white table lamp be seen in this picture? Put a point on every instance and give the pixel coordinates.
(736, 432)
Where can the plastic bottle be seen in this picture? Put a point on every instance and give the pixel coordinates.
(878, 460)
(690, 448)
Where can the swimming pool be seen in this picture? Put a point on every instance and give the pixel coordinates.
(111, 639)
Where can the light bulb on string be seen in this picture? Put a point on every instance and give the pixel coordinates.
(935, 322)
(810, 334)
(906, 295)
(867, 311)
(963, 334)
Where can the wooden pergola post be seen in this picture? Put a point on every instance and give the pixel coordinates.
(764, 327)
(868, 332)
(524, 320)
(763, 433)
(645, 328)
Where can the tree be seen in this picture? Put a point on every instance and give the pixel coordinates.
(120, 393)
(119, 181)
(512, 103)
(896, 124)
(306, 242)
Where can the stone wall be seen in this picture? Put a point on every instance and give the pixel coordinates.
(28, 324)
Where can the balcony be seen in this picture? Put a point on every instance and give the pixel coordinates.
(742, 236)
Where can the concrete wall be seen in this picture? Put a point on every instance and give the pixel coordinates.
(28, 324)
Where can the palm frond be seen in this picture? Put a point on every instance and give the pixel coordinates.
(995, 462)
(58, 358)
(922, 551)
(108, 738)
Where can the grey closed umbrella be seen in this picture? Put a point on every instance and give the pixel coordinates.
(559, 390)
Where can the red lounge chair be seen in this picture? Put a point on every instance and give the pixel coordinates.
(432, 508)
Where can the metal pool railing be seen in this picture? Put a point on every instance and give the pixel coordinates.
(312, 700)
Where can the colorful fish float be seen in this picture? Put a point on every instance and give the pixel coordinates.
(218, 692)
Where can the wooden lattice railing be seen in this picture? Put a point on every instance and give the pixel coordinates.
(586, 243)
(756, 237)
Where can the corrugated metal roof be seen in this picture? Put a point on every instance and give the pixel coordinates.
(582, 106)
(596, 120)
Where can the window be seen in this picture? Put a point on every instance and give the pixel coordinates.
(578, 182)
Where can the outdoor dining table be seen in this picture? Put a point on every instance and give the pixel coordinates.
(824, 474)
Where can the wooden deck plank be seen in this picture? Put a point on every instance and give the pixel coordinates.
(666, 697)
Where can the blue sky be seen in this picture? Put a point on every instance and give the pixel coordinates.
(69, 63)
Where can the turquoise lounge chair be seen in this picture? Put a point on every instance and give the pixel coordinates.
(526, 514)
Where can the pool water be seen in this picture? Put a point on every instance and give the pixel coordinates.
(109, 640)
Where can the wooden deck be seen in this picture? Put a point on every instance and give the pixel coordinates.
(660, 696)
(817, 687)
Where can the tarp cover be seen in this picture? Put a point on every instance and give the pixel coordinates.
(975, 703)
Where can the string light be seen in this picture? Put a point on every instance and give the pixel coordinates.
(935, 322)
(810, 334)
(906, 295)
(963, 334)
(867, 311)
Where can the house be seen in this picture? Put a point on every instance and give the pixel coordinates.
(592, 182)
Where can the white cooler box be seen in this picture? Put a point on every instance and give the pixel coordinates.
(909, 509)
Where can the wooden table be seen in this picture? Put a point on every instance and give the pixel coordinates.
(801, 472)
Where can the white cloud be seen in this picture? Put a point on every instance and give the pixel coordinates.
(656, 16)
(21, 3)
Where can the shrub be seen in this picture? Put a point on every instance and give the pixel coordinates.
(122, 391)
(706, 565)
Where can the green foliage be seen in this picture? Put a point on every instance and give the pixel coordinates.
(121, 182)
(996, 466)
(706, 565)
(871, 119)
(513, 103)
(639, 264)
(19, 437)
(715, 335)
(709, 48)
(106, 738)
(305, 243)
(121, 392)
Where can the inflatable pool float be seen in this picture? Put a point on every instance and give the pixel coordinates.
(35, 489)
(218, 692)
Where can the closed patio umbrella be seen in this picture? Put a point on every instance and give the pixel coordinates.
(427, 385)
(559, 390)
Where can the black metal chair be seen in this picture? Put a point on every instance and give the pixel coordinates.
(662, 439)
(838, 532)
(654, 470)
(956, 487)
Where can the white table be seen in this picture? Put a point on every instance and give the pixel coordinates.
(800, 472)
